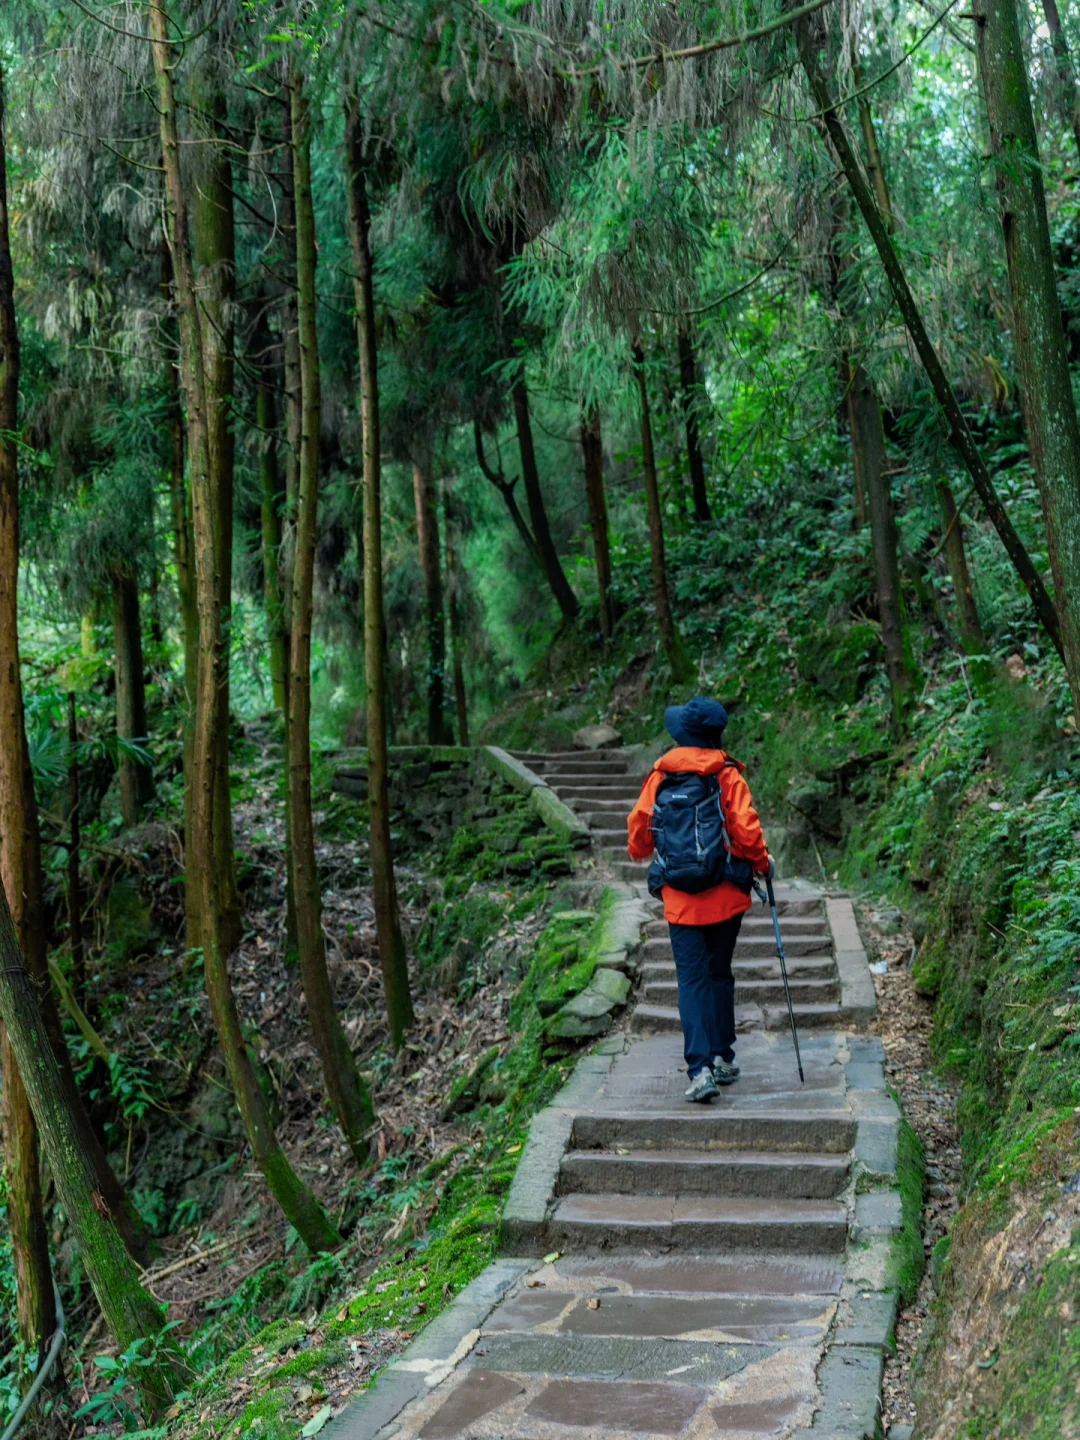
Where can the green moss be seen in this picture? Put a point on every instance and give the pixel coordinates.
(906, 1256)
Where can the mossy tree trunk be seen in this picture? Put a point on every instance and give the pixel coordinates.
(457, 639)
(1049, 406)
(868, 448)
(550, 563)
(682, 668)
(427, 537)
(131, 1313)
(215, 260)
(74, 896)
(271, 499)
(350, 1096)
(592, 450)
(1068, 98)
(136, 779)
(297, 1202)
(395, 973)
(972, 638)
(810, 43)
(691, 399)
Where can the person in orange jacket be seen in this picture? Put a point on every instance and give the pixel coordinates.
(704, 926)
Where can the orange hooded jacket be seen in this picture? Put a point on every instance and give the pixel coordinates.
(723, 901)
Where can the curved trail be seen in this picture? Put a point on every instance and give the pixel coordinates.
(722, 1272)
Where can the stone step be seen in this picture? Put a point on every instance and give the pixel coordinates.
(567, 756)
(755, 922)
(800, 967)
(704, 1172)
(753, 992)
(817, 1131)
(597, 787)
(754, 944)
(603, 810)
(699, 1222)
(649, 1019)
(587, 775)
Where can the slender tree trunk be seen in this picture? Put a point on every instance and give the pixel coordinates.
(399, 1009)
(270, 500)
(549, 557)
(136, 780)
(427, 535)
(1068, 97)
(129, 1310)
(297, 1202)
(682, 669)
(972, 638)
(215, 259)
(36, 1313)
(506, 490)
(75, 932)
(868, 446)
(690, 395)
(1053, 430)
(961, 434)
(453, 592)
(592, 450)
(346, 1089)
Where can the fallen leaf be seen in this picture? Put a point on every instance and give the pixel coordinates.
(594, 1303)
(533, 1284)
(550, 1259)
(317, 1421)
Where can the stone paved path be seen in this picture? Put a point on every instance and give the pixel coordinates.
(717, 1276)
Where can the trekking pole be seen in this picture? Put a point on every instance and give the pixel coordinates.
(783, 970)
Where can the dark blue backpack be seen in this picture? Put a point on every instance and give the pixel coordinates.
(693, 851)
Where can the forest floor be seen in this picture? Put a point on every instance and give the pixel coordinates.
(904, 1022)
(228, 1261)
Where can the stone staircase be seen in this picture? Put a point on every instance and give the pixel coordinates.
(715, 1272)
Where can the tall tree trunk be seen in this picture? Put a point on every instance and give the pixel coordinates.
(36, 1313)
(972, 638)
(549, 557)
(1053, 430)
(399, 1008)
(453, 584)
(868, 446)
(215, 258)
(592, 451)
(75, 931)
(1068, 97)
(270, 501)
(297, 1202)
(179, 499)
(691, 391)
(506, 490)
(961, 434)
(129, 1310)
(344, 1085)
(427, 535)
(136, 780)
(682, 668)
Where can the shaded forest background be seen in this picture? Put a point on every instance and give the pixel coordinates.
(454, 374)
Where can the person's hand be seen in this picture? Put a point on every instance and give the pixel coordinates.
(770, 868)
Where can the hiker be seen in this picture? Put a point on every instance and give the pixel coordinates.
(695, 815)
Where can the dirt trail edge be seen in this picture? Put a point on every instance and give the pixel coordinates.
(718, 1272)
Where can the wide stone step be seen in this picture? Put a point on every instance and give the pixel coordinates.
(818, 1131)
(616, 789)
(604, 810)
(699, 1222)
(756, 923)
(801, 967)
(704, 1172)
(569, 757)
(753, 992)
(755, 944)
(650, 1019)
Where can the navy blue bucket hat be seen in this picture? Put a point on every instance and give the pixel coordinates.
(699, 722)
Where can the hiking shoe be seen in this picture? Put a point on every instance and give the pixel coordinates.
(702, 1087)
(724, 1072)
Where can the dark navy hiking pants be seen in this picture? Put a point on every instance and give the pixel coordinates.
(706, 990)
